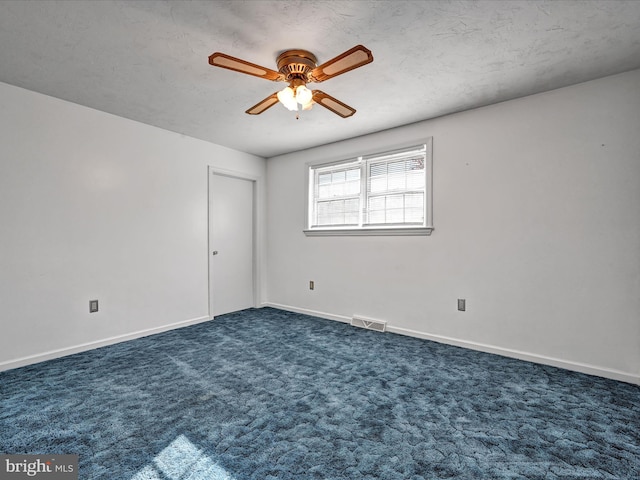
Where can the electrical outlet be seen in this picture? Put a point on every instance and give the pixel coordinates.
(462, 304)
(311, 285)
(93, 306)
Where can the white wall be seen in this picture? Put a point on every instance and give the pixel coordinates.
(94, 206)
(537, 225)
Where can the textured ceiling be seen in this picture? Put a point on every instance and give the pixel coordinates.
(147, 60)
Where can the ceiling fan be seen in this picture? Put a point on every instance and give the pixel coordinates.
(299, 67)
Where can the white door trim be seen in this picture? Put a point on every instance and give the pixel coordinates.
(257, 231)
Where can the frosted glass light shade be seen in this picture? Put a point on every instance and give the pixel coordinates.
(303, 95)
(286, 97)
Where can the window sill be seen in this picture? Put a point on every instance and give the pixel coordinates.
(358, 232)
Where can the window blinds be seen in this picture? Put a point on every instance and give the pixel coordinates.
(383, 190)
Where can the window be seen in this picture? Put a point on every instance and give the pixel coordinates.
(381, 194)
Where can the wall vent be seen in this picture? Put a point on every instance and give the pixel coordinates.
(368, 323)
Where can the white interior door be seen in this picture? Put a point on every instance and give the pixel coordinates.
(231, 243)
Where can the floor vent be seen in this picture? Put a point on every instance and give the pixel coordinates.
(369, 323)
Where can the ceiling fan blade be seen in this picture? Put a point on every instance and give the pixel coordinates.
(333, 104)
(353, 58)
(262, 105)
(226, 61)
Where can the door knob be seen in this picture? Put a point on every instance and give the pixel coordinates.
(215, 252)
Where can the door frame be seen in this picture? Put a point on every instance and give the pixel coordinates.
(256, 182)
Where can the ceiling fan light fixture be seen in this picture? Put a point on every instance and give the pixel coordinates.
(287, 98)
(303, 95)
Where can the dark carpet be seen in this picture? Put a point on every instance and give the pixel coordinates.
(267, 394)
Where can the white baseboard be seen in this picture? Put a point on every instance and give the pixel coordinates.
(505, 352)
(529, 357)
(305, 311)
(63, 352)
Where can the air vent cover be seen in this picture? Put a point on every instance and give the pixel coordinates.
(369, 323)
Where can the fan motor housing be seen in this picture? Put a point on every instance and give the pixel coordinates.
(296, 64)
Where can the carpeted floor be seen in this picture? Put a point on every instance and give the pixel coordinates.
(267, 394)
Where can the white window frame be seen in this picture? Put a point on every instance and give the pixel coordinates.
(362, 229)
